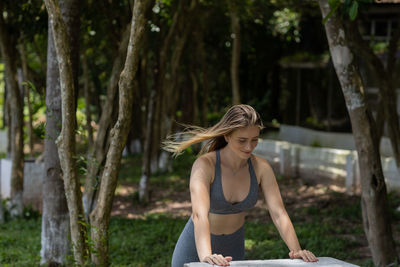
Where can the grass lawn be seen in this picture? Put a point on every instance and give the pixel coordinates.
(327, 222)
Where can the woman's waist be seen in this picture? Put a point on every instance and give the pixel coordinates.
(225, 224)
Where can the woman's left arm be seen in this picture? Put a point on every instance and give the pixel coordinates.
(279, 215)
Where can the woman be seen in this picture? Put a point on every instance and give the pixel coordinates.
(224, 185)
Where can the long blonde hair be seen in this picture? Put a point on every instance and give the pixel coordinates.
(238, 116)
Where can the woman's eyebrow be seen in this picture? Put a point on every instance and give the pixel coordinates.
(249, 138)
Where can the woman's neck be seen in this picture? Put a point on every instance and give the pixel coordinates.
(231, 159)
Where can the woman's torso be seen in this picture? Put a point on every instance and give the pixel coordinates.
(231, 195)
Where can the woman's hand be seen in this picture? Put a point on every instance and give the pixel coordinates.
(303, 254)
(217, 259)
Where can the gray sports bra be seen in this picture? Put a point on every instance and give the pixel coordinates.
(218, 203)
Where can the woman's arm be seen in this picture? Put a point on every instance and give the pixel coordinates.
(200, 180)
(279, 215)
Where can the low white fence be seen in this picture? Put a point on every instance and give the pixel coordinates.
(336, 166)
(33, 180)
(309, 137)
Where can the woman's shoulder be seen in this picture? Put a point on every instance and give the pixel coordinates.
(261, 166)
(205, 165)
(260, 162)
(206, 160)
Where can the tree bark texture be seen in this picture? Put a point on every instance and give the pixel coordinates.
(376, 222)
(100, 216)
(66, 140)
(99, 150)
(385, 78)
(14, 99)
(235, 61)
(55, 217)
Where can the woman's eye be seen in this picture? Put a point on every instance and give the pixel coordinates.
(242, 141)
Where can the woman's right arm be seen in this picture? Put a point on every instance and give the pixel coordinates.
(200, 180)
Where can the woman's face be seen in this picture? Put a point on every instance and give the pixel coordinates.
(243, 141)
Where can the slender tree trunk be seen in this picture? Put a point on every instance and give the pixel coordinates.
(66, 140)
(376, 221)
(9, 54)
(170, 85)
(385, 78)
(100, 216)
(204, 79)
(144, 179)
(235, 23)
(195, 89)
(159, 108)
(101, 144)
(28, 97)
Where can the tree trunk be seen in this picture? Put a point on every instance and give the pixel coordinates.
(66, 140)
(55, 217)
(385, 78)
(100, 216)
(170, 83)
(28, 97)
(9, 54)
(204, 78)
(101, 144)
(235, 23)
(144, 179)
(195, 89)
(376, 221)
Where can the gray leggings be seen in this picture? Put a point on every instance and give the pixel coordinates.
(227, 245)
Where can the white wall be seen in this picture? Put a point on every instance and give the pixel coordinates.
(338, 166)
(308, 137)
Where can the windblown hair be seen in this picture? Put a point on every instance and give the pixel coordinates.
(238, 116)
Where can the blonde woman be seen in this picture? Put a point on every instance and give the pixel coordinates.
(224, 184)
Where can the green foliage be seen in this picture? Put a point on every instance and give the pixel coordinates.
(349, 8)
(40, 130)
(286, 22)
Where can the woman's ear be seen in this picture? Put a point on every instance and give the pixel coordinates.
(226, 137)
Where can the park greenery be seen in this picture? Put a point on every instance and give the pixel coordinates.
(334, 230)
(81, 82)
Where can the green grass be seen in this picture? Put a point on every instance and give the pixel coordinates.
(20, 243)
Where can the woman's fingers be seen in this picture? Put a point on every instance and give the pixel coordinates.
(228, 258)
(217, 259)
(303, 254)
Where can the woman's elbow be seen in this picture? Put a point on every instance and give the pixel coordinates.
(199, 216)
